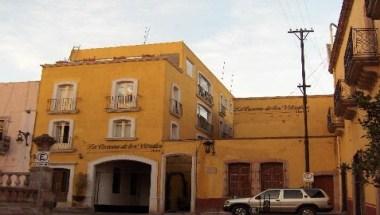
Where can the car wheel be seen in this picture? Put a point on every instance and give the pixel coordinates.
(307, 211)
(240, 210)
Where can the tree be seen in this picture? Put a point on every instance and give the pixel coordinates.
(368, 159)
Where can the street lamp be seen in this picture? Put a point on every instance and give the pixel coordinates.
(23, 136)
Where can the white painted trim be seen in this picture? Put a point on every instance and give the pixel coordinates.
(70, 167)
(171, 130)
(115, 82)
(110, 125)
(71, 124)
(193, 180)
(153, 198)
(56, 85)
(208, 81)
(192, 68)
(201, 103)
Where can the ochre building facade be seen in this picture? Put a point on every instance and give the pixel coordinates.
(354, 64)
(148, 128)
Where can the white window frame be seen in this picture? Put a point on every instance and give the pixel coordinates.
(111, 127)
(223, 101)
(115, 82)
(200, 75)
(171, 130)
(56, 86)
(174, 85)
(190, 73)
(209, 116)
(71, 128)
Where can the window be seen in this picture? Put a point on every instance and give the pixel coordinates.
(204, 90)
(314, 193)
(121, 128)
(123, 94)
(174, 131)
(204, 83)
(175, 104)
(63, 98)
(116, 179)
(239, 179)
(61, 131)
(222, 106)
(189, 67)
(270, 194)
(293, 194)
(204, 119)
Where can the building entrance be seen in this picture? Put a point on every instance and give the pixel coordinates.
(122, 186)
(60, 185)
(178, 183)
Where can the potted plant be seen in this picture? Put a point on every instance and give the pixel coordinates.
(80, 187)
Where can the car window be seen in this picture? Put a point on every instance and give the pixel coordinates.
(315, 193)
(270, 194)
(293, 194)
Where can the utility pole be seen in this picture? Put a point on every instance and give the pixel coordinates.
(302, 34)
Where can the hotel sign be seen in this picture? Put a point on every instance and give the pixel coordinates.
(154, 147)
(271, 108)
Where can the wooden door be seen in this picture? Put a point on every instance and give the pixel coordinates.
(272, 175)
(239, 179)
(61, 183)
(326, 183)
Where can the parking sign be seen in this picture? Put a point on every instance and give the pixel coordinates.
(42, 158)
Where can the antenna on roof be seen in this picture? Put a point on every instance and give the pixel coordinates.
(146, 34)
(232, 82)
(224, 64)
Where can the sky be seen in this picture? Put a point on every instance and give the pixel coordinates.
(245, 43)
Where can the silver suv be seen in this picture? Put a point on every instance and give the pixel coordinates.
(301, 201)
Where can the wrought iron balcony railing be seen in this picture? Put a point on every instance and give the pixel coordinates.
(205, 95)
(204, 124)
(64, 143)
(62, 105)
(373, 8)
(344, 104)
(121, 103)
(227, 131)
(175, 108)
(335, 124)
(361, 51)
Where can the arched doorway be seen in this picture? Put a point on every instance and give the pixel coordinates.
(121, 167)
(122, 186)
(178, 183)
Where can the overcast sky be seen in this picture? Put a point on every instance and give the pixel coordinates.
(250, 36)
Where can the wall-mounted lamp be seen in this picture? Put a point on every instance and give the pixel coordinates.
(209, 146)
(22, 136)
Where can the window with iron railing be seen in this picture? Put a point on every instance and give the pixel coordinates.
(123, 96)
(64, 99)
(61, 131)
(204, 90)
(175, 107)
(204, 119)
(121, 102)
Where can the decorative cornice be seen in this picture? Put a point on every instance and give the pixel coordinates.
(342, 27)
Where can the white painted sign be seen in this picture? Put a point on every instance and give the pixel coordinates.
(308, 177)
(42, 158)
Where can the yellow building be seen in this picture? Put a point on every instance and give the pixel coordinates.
(355, 66)
(150, 128)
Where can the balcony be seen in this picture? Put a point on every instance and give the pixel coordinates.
(205, 95)
(175, 108)
(62, 105)
(335, 125)
(121, 103)
(373, 8)
(63, 144)
(227, 131)
(4, 144)
(222, 111)
(361, 58)
(204, 125)
(344, 104)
